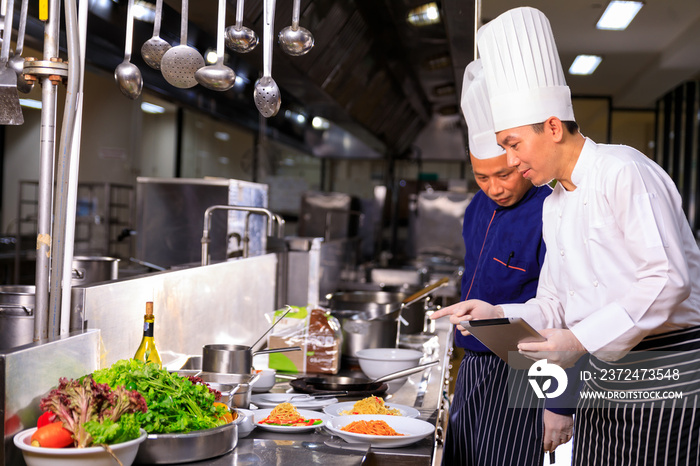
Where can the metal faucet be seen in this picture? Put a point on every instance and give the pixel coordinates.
(271, 218)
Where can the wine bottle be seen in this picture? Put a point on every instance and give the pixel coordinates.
(147, 351)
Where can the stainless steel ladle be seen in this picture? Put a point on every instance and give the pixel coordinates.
(154, 48)
(240, 38)
(16, 62)
(295, 40)
(217, 77)
(127, 75)
(267, 93)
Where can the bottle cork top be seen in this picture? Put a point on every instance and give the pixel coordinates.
(149, 308)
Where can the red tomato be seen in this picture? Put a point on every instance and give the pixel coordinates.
(47, 418)
(52, 435)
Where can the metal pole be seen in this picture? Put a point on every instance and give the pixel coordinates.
(64, 222)
(47, 146)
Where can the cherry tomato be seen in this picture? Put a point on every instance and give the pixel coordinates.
(47, 418)
(52, 435)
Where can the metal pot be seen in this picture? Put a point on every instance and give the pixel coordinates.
(16, 315)
(233, 359)
(359, 333)
(379, 303)
(93, 269)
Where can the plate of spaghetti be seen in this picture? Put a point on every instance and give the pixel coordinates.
(286, 418)
(380, 430)
(370, 405)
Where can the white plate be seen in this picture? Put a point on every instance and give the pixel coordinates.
(413, 430)
(261, 414)
(335, 409)
(270, 400)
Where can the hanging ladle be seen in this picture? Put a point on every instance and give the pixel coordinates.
(267, 93)
(181, 62)
(217, 77)
(239, 38)
(295, 40)
(127, 75)
(16, 62)
(153, 49)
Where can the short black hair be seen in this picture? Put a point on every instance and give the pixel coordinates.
(571, 127)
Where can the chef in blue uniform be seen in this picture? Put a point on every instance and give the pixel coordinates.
(622, 269)
(504, 254)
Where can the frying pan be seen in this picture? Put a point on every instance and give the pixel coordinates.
(335, 382)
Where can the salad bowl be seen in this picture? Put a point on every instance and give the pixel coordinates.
(90, 456)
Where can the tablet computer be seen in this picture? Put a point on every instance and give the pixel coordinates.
(502, 337)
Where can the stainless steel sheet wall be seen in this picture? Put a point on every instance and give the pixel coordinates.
(28, 372)
(219, 303)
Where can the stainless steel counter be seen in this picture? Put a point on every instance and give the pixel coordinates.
(423, 391)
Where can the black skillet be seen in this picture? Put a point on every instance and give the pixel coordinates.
(335, 382)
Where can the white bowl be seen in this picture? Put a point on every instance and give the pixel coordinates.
(378, 362)
(91, 456)
(247, 422)
(265, 382)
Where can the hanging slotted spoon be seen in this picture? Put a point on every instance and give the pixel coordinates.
(128, 75)
(181, 62)
(154, 48)
(217, 77)
(16, 62)
(267, 93)
(239, 38)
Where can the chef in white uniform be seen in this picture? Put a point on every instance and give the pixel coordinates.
(622, 268)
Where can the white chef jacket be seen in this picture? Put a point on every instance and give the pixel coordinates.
(622, 262)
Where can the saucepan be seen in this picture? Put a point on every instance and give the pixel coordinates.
(234, 359)
(238, 359)
(334, 382)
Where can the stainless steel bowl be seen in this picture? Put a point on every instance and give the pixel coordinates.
(188, 447)
(240, 399)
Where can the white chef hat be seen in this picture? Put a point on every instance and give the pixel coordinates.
(477, 113)
(522, 70)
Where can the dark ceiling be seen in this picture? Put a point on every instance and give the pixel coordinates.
(383, 80)
(370, 72)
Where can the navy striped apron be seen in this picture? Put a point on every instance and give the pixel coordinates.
(625, 429)
(482, 430)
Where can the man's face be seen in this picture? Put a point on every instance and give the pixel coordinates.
(530, 153)
(503, 184)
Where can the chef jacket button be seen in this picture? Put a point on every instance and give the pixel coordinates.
(585, 202)
(595, 283)
(561, 252)
(571, 292)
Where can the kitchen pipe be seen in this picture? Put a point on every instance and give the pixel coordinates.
(64, 219)
(68, 264)
(47, 149)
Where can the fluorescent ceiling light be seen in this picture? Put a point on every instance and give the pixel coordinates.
(144, 11)
(618, 15)
(424, 15)
(151, 108)
(585, 64)
(222, 136)
(320, 123)
(30, 103)
(211, 57)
